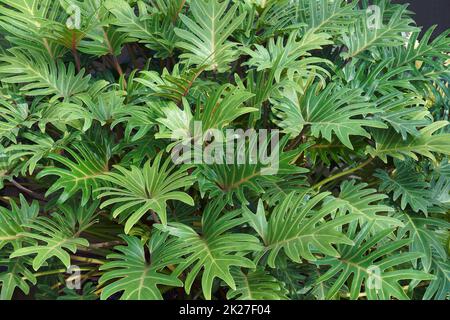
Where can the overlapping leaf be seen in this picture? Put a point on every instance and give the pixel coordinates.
(206, 38)
(372, 269)
(216, 250)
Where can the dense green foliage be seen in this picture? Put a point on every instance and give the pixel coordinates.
(92, 93)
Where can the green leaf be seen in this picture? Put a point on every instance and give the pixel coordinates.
(256, 285)
(290, 57)
(258, 221)
(423, 49)
(298, 227)
(222, 107)
(424, 235)
(427, 142)
(180, 82)
(366, 34)
(12, 221)
(154, 29)
(332, 17)
(32, 154)
(12, 119)
(357, 199)
(43, 77)
(227, 180)
(439, 288)
(145, 190)
(16, 275)
(339, 111)
(404, 113)
(29, 32)
(216, 249)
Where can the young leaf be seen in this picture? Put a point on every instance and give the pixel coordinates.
(216, 249)
(83, 174)
(206, 38)
(427, 142)
(145, 190)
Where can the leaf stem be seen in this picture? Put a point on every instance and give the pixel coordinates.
(115, 61)
(26, 190)
(341, 174)
(174, 18)
(87, 260)
(106, 244)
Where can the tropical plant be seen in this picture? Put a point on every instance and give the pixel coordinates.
(103, 102)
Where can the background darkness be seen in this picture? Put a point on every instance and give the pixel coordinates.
(430, 12)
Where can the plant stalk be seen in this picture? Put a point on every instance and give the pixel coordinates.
(341, 174)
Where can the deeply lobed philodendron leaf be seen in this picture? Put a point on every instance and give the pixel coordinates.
(145, 190)
(216, 250)
(83, 174)
(206, 38)
(328, 112)
(365, 203)
(12, 222)
(48, 239)
(298, 228)
(257, 285)
(428, 141)
(16, 275)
